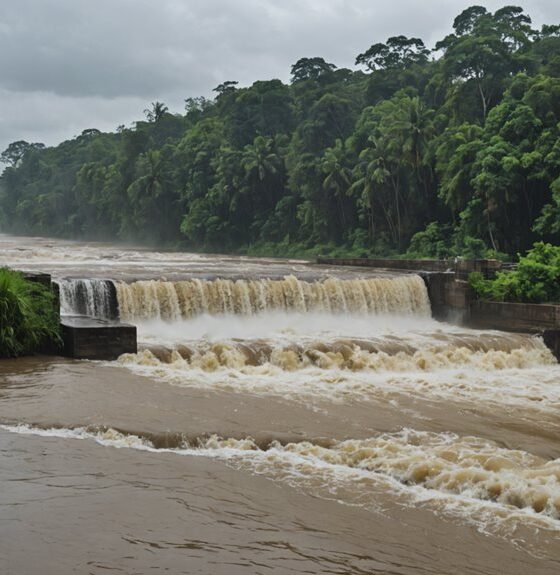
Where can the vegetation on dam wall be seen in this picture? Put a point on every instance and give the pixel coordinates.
(535, 280)
(29, 320)
(435, 153)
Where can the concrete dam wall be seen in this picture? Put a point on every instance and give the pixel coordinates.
(92, 310)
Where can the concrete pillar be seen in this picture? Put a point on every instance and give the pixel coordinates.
(551, 338)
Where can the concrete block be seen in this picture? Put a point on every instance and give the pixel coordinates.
(92, 338)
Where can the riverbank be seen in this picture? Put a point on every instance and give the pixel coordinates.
(29, 314)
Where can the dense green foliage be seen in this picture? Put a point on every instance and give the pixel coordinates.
(536, 278)
(28, 318)
(448, 152)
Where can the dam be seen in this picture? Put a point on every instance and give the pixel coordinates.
(284, 413)
(437, 293)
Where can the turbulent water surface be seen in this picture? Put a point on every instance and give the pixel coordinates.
(277, 418)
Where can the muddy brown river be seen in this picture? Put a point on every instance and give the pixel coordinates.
(279, 417)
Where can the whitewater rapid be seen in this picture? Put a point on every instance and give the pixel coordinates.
(461, 476)
(308, 356)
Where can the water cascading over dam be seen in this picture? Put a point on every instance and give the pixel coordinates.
(88, 297)
(296, 333)
(184, 299)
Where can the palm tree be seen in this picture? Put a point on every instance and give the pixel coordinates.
(259, 158)
(156, 112)
(260, 162)
(338, 176)
(417, 129)
(377, 178)
(145, 193)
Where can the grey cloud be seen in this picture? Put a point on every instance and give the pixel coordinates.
(46, 117)
(99, 63)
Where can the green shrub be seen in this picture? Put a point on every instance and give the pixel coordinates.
(536, 279)
(443, 241)
(433, 242)
(28, 318)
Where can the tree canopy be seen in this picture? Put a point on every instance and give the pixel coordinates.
(453, 151)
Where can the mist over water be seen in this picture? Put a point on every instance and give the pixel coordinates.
(328, 391)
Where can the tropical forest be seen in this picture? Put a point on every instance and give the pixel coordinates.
(441, 151)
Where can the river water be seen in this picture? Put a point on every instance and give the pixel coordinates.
(279, 417)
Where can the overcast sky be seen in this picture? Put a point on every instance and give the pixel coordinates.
(68, 65)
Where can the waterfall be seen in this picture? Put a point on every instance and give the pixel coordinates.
(89, 297)
(184, 299)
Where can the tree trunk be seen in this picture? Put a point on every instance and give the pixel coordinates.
(483, 98)
(494, 246)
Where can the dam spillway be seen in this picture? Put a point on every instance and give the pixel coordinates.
(173, 301)
(177, 300)
(401, 295)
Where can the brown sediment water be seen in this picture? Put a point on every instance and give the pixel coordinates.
(72, 259)
(281, 422)
(173, 301)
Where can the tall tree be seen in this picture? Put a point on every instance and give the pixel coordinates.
(156, 111)
(398, 52)
(15, 152)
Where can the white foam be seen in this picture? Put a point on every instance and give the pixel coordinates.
(527, 378)
(456, 476)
